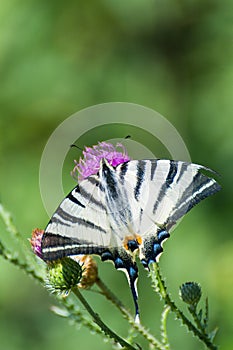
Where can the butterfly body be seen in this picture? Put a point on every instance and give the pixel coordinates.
(125, 210)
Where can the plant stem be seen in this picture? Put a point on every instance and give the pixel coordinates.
(73, 312)
(105, 329)
(142, 330)
(15, 261)
(161, 288)
(7, 219)
(193, 312)
(164, 327)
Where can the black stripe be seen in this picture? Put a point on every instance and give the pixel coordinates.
(166, 185)
(153, 168)
(58, 221)
(162, 194)
(76, 220)
(123, 170)
(90, 224)
(141, 215)
(64, 215)
(90, 197)
(74, 199)
(141, 166)
(199, 181)
(50, 240)
(95, 181)
(172, 173)
(183, 169)
(110, 180)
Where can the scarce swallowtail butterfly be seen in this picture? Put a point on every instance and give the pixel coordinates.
(124, 208)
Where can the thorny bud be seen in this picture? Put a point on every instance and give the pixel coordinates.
(190, 293)
(68, 272)
(63, 275)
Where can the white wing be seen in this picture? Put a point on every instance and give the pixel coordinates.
(80, 225)
(166, 190)
(162, 191)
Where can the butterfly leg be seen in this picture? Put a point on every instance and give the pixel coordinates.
(153, 247)
(123, 261)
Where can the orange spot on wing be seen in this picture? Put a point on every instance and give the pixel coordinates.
(136, 238)
(139, 239)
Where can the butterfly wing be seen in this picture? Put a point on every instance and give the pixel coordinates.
(122, 209)
(165, 191)
(80, 225)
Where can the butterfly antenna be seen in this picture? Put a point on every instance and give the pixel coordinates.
(73, 145)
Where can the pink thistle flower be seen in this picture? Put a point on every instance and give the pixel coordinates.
(92, 156)
(36, 241)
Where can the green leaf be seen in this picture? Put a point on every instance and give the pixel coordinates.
(200, 315)
(213, 334)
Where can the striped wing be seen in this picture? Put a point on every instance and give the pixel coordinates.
(94, 219)
(130, 207)
(166, 190)
(80, 225)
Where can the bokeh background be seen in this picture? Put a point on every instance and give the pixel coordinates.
(173, 56)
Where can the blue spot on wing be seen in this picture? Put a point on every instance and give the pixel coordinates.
(157, 249)
(119, 264)
(133, 273)
(162, 235)
(106, 256)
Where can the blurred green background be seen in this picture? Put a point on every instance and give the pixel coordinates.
(173, 56)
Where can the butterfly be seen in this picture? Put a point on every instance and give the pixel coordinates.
(126, 210)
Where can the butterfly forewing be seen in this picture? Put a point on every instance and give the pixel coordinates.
(80, 224)
(173, 188)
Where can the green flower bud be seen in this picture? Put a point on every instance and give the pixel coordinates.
(63, 274)
(190, 293)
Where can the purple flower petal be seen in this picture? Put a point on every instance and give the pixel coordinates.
(90, 164)
(36, 241)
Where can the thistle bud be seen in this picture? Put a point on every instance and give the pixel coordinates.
(190, 293)
(63, 274)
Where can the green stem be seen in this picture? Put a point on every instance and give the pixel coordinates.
(142, 330)
(164, 327)
(161, 288)
(15, 261)
(73, 312)
(8, 221)
(193, 312)
(105, 329)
